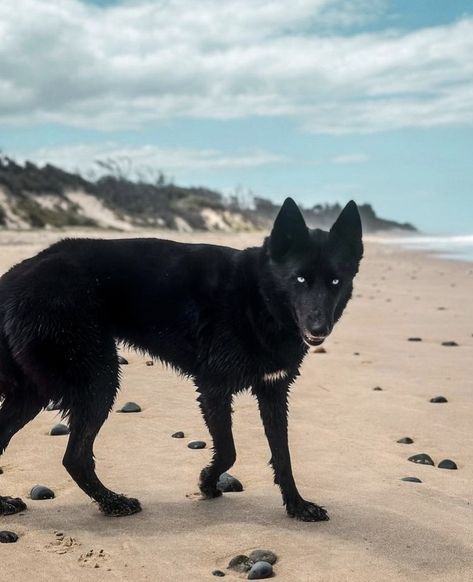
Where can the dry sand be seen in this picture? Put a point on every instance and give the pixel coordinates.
(343, 440)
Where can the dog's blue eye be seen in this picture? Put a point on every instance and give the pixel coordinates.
(301, 279)
(335, 282)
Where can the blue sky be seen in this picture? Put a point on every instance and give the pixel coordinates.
(326, 101)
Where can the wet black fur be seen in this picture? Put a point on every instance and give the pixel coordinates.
(224, 317)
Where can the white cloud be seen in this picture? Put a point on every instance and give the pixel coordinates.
(128, 65)
(356, 158)
(147, 159)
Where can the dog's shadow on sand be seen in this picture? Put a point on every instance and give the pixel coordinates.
(382, 532)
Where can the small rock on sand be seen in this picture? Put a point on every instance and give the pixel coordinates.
(130, 407)
(411, 479)
(450, 344)
(8, 537)
(320, 350)
(218, 573)
(438, 399)
(59, 430)
(123, 361)
(263, 556)
(422, 459)
(405, 441)
(377, 388)
(229, 484)
(178, 435)
(197, 445)
(149, 363)
(260, 570)
(240, 563)
(414, 339)
(40, 492)
(447, 464)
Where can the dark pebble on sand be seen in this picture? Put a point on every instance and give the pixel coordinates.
(218, 573)
(422, 459)
(123, 361)
(438, 399)
(405, 441)
(178, 435)
(130, 407)
(149, 363)
(320, 350)
(260, 570)
(377, 388)
(450, 344)
(197, 445)
(8, 537)
(263, 556)
(1, 471)
(414, 339)
(53, 406)
(40, 492)
(447, 464)
(228, 484)
(411, 479)
(240, 563)
(356, 353)
(59, 430)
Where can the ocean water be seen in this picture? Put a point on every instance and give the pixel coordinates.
(457, 247)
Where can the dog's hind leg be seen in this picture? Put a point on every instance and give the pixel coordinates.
(15, 412)
(217, 413)
(272, 402)
(87, 415)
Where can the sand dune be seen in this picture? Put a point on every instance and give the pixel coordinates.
(343, 440)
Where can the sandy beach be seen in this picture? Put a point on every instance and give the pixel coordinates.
(343, 440)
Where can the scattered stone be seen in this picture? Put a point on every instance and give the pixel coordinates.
(123, 361)
(1, 471)
(228, 484)
(40, 492)
(320, 350)
(149, 363)
(438, 399)
(441, 308)
(263, 556)
(356, 353)
(178, 435)
(377, 388)
(405, 441)
(260, 570)
(240, 563)
(447, 464)
(450, 344)
(197, 445)
(8, 537)
(218, 573)
(414, 339)
(422, 459)
(411, 479)
(59, 430)
(130, 407)
(53, 406)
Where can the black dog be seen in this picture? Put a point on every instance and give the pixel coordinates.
(231, 320)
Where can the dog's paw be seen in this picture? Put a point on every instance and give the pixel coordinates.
(307, 511)
(209, 491)
(11, 505)
(119, 505)
(208, 484)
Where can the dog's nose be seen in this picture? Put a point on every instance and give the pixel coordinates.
(318, 330)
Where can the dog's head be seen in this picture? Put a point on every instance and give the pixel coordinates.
(314, 269)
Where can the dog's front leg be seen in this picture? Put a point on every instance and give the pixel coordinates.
(217, 411)
(272, 401)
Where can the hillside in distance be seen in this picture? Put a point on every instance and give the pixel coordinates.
(49, 197)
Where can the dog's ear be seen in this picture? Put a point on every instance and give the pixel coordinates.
(289, 230)
(347, 227)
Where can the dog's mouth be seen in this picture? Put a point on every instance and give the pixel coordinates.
(313, 340)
